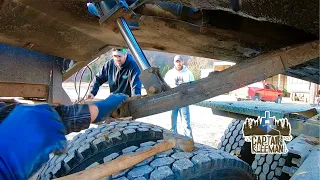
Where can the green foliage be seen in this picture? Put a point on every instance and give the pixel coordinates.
(94, 67)
(165, 69)
(195, 64)
(156, 59)
(285, 92)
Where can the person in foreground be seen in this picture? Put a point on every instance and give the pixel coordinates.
(31, 132)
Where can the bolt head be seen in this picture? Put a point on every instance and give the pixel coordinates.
(153, 89)
(150, 70)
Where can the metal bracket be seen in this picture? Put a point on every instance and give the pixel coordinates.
(120, 10)
(116, 19)
(299, 149)
(124, 110)
(153, 81)
(310, 167)
(301, 146)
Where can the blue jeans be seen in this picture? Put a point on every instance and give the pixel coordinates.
(185, 119)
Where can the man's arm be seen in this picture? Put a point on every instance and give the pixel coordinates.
(27, 137)
(100, 78)
(135, 82)
(75, 117)
(78, 117)
(23, 152)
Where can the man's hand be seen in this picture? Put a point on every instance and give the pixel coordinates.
(90, 96)
(27, 137)
(108, 105)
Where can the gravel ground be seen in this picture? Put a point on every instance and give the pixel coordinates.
(207, 128)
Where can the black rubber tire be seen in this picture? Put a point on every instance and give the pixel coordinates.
(233, 142)
(256, 97)
(269, 166)
(96, 143)
(204, 163)
(279, 100)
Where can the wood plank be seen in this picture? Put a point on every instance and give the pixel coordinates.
(23, 90)
(218, 83)
(121, 163)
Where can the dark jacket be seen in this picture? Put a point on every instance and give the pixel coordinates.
(121, 80)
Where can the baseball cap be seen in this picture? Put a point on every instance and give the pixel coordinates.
(177, 57)
(119, 51)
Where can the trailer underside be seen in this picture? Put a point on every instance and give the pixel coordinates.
(66, 29)
(253, 37)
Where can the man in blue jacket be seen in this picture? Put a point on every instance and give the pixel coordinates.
(122, 74)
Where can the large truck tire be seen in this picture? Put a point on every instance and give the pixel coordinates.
(97, 143)
(92, 148)
(233, 142)
(264, 166)
(269, 166)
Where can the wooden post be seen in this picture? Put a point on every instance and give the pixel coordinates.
(279, 80)
(219, 82)
(313, 93)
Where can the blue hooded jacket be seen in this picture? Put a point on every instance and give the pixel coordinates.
(124, 79)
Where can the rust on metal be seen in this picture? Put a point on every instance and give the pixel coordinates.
(153, 81)
(120, 10)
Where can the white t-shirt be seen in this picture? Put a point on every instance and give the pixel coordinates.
(174, 77)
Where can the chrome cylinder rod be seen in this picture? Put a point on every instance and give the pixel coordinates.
(133, 44)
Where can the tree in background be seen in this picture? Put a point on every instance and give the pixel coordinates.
(165, 70)
(156, 59)
(195, 64)
(98, 64)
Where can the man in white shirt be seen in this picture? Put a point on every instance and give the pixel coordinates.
(174, 77)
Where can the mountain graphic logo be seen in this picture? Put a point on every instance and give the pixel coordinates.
(267, 134)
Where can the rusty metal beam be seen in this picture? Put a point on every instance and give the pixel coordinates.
(280, 11)
(217, 83)
(23, 90)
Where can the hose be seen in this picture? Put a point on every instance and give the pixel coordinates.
(80, 81)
